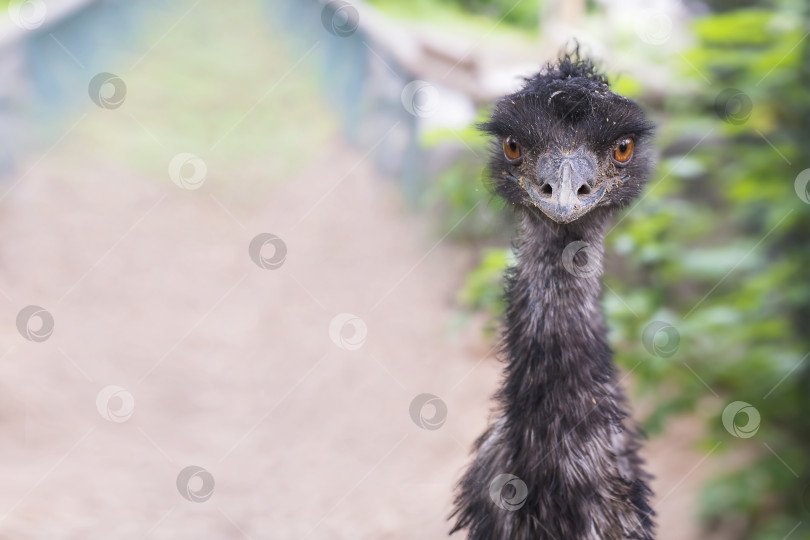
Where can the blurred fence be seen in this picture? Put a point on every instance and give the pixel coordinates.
(48, 59)
(362, 80)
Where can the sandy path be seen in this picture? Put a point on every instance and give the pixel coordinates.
(231, 366)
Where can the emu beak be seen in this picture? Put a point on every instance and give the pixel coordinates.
(565, 193)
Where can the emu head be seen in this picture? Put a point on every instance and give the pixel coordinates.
(565, 146)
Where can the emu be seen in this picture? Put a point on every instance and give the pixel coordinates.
(560, 460)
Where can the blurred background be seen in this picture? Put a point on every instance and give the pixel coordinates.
(250, 274)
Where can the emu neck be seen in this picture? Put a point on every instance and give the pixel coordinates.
(558, 359)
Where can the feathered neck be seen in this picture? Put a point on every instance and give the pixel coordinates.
(561, 428)
(558, 361)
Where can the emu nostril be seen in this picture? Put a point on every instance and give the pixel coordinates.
(546, 189)
(584, 189)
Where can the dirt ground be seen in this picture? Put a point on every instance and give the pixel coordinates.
(227, 366)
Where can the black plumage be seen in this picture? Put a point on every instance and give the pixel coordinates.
(562, 430)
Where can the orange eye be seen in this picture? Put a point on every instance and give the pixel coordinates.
(624, 150)
(511, 149)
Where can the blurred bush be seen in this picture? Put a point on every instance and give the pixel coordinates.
(466, 209)
(523, 15)
(718, 248)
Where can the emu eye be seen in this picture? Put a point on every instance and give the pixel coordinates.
(624, 150)
(511, 149)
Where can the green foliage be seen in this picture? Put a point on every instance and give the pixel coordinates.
(459, 195)
(483, 288)
(719, 248)
(523, 15)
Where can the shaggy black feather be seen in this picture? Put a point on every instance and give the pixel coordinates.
(562, 426)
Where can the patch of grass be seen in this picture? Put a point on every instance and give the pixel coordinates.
(222, 86)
